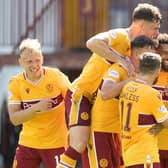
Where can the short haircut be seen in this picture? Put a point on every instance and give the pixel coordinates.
(149, 63)
(141, 42)
(32, 44)
(147, 12)
(163, 38)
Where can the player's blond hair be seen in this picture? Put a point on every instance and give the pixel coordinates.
(32, 44)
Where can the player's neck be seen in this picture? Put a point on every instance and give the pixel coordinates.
(144, 79)
(34, 79)
(133, 31)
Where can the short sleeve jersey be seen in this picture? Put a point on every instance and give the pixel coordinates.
(140, 107)
(162, 86)
(105, 113)
(47, 130)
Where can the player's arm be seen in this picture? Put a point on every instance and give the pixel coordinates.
(99, 44)
(111, 89)
(18, 115)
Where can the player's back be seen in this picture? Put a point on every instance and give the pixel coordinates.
(139, 111)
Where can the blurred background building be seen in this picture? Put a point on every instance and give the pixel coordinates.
(62, 27)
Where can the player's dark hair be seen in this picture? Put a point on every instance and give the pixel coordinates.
(141, 42)
(148, 12)
(149, 62)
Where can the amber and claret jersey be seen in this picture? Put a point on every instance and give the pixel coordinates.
(162, 86)
(139, 112)
(105, 113)
(47, 130)
(90, 79)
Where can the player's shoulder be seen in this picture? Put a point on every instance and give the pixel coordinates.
(16, 78)
(51, 70)
(119, 67)
(150, 91)
(54, 72)
(116, 70)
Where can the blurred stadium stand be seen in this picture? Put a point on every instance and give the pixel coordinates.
(62, 27)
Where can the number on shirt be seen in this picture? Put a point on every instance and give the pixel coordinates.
(126, 126)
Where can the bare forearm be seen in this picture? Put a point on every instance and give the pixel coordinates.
(112, 90)
(22, 116)
(18, 116)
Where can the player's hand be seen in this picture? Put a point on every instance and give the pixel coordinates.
(154, 130)
(44, 105)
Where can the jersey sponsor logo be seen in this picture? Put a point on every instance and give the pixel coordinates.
(163, 109)
(27, 104)
(103, 162)
(84, 116)
(113, 73)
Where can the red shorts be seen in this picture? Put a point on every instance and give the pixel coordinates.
(104, 150)
(155, 165)
(163, 158)
(26, 157)
(78, 113)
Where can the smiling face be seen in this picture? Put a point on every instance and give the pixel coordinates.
(31, 60)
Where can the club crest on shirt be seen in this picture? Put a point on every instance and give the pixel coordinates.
(27, 90)
(103, 162)
(49, 87)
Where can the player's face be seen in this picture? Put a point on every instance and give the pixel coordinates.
(150, 29)
(32, 62)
